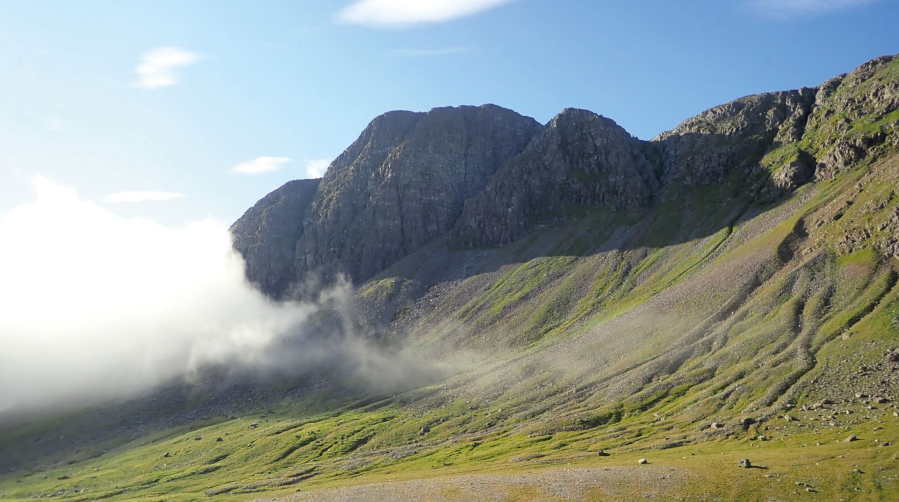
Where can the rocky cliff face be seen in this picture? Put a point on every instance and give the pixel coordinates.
(705, 148)
(855, 116)
(486, 176)
(402, 183)
(267, 233)
(580, 159)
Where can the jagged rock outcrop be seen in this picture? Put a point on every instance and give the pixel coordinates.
(706, 148)
(855, 115)
(267, 233)
(580, 159)
(402, 183)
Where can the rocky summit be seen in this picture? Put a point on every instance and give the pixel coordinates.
(400, 185)
(547, 312)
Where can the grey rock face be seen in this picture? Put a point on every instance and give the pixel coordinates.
(580, 159)
(403, 183)
(793, 175)
(840, 140)
(267, 233)
(705, 148)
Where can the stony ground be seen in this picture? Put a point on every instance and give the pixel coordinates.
(650, 482)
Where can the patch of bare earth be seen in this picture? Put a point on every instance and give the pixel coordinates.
(611, 483)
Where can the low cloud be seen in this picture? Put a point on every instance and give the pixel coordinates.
(793, 8)
(96, 306)
(141, 196)
(261, 165)
(157, 67)
(393, 13)
(317, 168)
(423, 53)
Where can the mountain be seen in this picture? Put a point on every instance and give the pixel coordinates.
(725, 291)
(487, 176)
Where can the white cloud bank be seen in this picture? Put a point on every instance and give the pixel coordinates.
(317, 168)
(96, 306)
(157, 67)
(793, 8)
(141, 196)
(391, 13)
(261, 165)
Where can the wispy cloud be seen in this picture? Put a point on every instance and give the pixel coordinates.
(157, 67)
(793, 8)
(424, 53)
(317, 168)
(391, 13)
(261, 165)
(141, 196)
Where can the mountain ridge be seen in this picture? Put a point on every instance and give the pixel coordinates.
(782, 140)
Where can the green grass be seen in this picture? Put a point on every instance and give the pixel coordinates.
(251, 462)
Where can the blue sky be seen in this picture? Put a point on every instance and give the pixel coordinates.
(203, 107)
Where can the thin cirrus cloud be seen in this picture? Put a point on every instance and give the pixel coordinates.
(158, 67)
(426, 53)
(793, 8)
(141, 196)
(398, 13)
(261, 165)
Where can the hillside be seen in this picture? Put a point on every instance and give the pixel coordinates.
(726, 290)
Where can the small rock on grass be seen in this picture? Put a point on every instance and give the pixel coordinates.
(851, 438)
(745, 463)
(642, 461)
